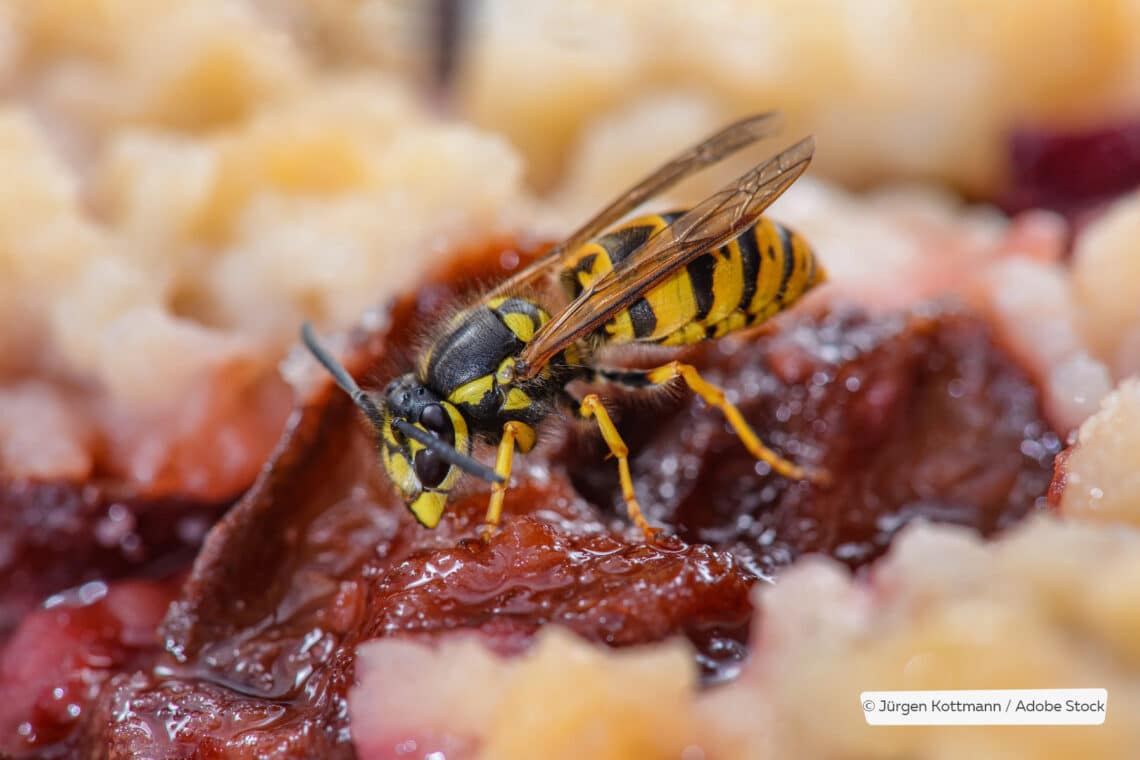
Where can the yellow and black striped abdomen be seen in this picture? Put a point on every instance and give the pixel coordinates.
(760, 273)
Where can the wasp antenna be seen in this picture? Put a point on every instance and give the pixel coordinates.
(361, 399)
(341, 376)
(449, 453)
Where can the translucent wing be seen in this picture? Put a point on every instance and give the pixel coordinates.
(724, 143)
(714, 222)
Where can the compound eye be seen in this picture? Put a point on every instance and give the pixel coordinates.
(430, 468)
(435, 418)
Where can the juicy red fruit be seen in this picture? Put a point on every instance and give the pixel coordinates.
(530, 574)
(915, 415)
(1074, 171)
(59, 657)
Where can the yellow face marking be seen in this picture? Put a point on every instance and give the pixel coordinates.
(459, 425)
(495, 303)
(428, 508)
(427, 505)
(389, 433)
(516, 400)
(521, 325)
(399, 469)
(471, 393)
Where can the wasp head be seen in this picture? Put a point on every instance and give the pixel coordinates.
(419, 466)
(424, 442)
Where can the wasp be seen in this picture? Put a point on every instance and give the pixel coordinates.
(500, 367)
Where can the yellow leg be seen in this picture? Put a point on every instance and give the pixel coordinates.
(512, 431)
(592, 407)
(714, 396)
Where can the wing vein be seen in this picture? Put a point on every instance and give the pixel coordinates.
(715, 221)
(713, 149)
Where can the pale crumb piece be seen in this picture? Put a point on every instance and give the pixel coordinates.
(1049, 603)
(902, 88)
(1106, 286)
(564, 699)
(184, 184)
(1030, 300)
(42, 434)
(1102, 472)
(947, 610)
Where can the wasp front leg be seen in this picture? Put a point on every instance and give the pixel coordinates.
(591, 407)
(714, 396)
(514, 433)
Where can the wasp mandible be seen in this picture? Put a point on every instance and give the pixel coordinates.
(501, 366)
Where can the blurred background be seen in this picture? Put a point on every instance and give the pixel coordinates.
(185, 182)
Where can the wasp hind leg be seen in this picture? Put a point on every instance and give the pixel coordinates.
(714, 396)
(591, 407)
(514, 433)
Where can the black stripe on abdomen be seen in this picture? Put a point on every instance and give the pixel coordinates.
(750, 263)
(584, 266)
(701, 281)
(643, 319)
(624, 241)
(789, 255)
